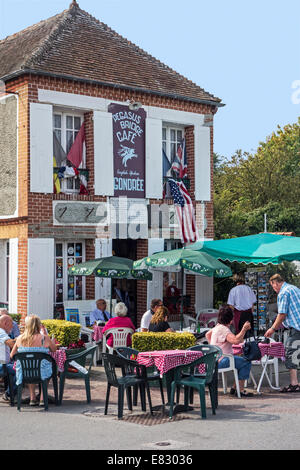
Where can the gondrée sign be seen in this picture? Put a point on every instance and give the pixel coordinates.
(129, 151)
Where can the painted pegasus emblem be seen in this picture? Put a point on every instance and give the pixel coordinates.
(126, 154)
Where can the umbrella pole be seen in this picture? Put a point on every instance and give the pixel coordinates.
(181, 306)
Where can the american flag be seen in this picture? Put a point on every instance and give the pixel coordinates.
(179, 165)
(184, 211)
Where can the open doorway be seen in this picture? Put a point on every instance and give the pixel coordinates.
(125, 290)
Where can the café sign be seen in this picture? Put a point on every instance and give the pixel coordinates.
(129, 151)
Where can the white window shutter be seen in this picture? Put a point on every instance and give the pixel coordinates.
(13, 275)
(155, 287)
(103, 154)
(154, 176)
(204, 292)
(3, 270)
(103, 248)
(41, 277)
(41, 148)
(202, 163)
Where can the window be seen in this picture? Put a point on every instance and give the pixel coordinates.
(171, 139)
(67, 287)
(66, 127)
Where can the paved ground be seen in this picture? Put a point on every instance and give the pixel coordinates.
(267, 421)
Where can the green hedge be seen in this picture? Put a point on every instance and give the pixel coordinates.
(65, 332)
(162, 341)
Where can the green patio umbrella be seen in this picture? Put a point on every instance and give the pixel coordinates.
(184, 260)
(110, 267)
(263, 248)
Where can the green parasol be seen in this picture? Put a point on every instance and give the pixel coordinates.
(262, 248)
(110, 267)
(193, 262)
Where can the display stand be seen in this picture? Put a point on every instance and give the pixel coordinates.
(257, 279)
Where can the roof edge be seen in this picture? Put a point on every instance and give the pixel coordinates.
(25, 71)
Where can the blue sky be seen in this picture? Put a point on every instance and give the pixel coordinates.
(245, 52)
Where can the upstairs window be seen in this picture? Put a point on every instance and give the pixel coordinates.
(171, 139)
(66, 127)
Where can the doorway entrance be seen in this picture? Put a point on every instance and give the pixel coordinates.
(125, 290)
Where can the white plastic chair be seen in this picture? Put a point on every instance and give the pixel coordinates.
(205, 311)
(208, 323)
(119, 338)
(270, 362)
(86, 331)
(230, 368)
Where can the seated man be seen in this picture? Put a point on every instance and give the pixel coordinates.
(15, 332)
(99, 314)
(6, 325)
(146, 318)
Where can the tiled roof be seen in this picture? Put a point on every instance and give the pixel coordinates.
(75, 45)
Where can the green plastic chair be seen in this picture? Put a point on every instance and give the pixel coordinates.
(31, 374)
(127, 353)
(213, 385)
(191, 380)
(80, 358)
(134, 374)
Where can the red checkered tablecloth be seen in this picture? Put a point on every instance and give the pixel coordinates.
(275, 349)
(166, 360)
(60, 358)
(97, 335)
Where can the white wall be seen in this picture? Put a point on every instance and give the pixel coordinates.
(41, 277)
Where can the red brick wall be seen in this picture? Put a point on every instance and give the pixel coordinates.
(38, 207)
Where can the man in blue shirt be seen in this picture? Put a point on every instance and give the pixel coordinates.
(7, 344)
(100, 313)
(15, 332)
(288, 301)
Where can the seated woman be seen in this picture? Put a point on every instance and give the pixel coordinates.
(121, 320)
(34, 339)
(221, 336)
(159, 323)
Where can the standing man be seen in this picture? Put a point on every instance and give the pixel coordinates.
(241, 299)
(288, 301)
(6, 325)
(146, 318)
(100, 313)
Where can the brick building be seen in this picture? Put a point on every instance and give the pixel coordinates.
(72, 70)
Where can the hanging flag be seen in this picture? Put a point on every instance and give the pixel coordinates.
(179, 165)
(59, 156)
(58, 152)
(166, 163)
(184, 211)
(76, 151)
(56, 179)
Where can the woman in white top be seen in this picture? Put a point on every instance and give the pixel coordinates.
(221, 336)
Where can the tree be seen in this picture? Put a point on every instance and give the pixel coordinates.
(247, 186)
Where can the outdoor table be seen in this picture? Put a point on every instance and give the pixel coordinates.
(274, 349)
(166, 361)
(98, 333)
(60, 358)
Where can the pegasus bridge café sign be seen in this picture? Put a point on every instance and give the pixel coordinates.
(129, 151)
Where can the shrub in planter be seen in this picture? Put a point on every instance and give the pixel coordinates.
(65, 332)
(162, 341)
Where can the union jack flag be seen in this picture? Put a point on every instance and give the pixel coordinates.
(184, 211)
(179, 165)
